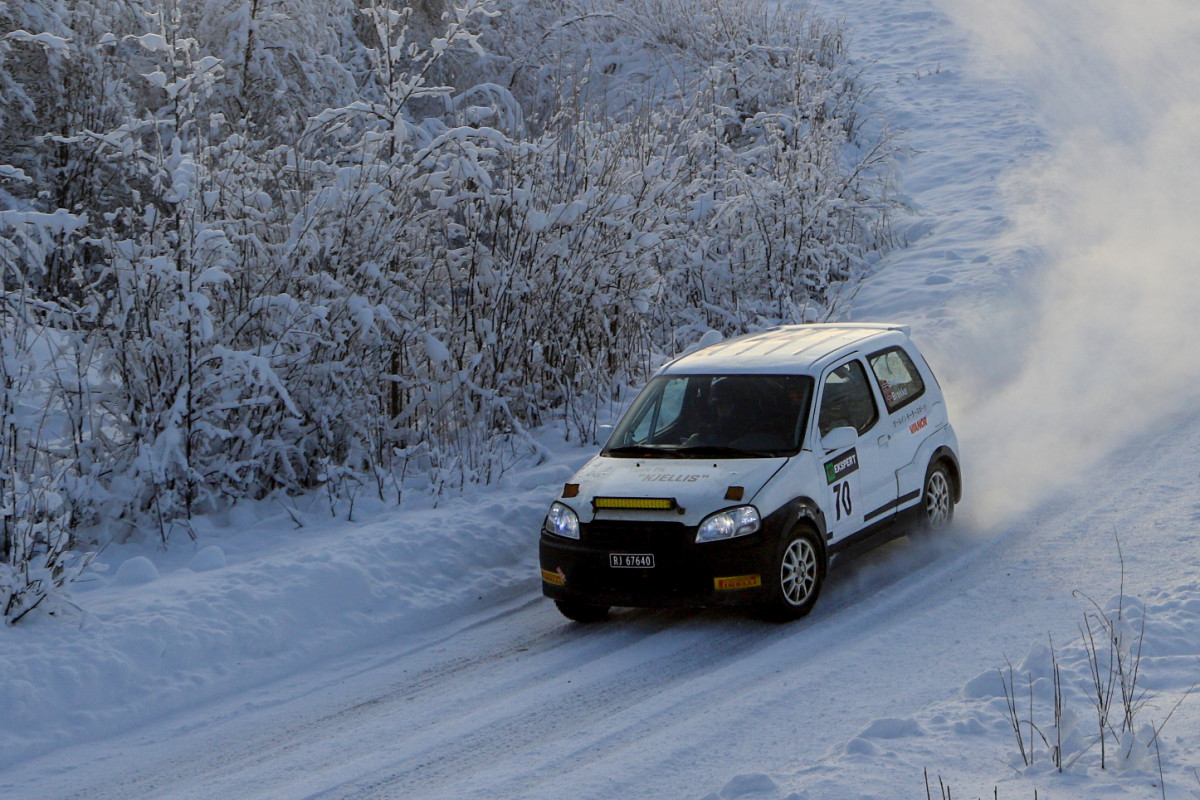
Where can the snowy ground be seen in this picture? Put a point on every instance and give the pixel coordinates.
(1051, 280)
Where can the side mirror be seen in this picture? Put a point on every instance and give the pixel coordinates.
(839, 439)
(603, 433)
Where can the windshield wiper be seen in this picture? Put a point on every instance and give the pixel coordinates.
(714, 450)
(654, 451)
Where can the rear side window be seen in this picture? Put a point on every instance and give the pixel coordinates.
(899, 381)
(847, 400)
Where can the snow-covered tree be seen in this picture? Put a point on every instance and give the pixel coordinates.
(256, 246)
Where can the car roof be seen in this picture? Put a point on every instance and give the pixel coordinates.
(788, 349)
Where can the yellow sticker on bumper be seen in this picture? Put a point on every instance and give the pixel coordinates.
(737, 582)
(554, 578)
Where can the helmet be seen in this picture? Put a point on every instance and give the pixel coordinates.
(725, 397)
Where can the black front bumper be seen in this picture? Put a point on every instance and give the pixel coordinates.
(731, 572)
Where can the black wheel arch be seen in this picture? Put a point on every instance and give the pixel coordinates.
(799, 510)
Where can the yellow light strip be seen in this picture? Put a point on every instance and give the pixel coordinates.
(640, 503)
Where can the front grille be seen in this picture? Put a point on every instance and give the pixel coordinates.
(636, 537)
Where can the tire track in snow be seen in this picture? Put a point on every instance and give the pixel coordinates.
(568, 730)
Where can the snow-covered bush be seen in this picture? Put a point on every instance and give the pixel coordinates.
(42, 432)
(310, 244)
(734, 129)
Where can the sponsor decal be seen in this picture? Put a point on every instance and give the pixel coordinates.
(841, 466)
(737, 582)
(891, 394)
(918, 425)
(556, 578)
(668, 477)
(910, 416)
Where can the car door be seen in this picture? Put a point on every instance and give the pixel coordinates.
(906, 412)
(859, 480)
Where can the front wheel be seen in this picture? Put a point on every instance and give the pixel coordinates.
(799, 573)
(581, 612)
(937, 501)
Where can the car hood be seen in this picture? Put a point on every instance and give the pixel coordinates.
(698, 486)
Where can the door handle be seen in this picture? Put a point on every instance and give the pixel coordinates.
(884, 439)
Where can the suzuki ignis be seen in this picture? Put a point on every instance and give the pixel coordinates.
(742, 468)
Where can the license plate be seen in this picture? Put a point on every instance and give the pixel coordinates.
(636, 560)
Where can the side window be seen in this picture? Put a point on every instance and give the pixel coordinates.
(899, 381)
(641, 431)
(847, 400)
(661, 411)
(672, 403)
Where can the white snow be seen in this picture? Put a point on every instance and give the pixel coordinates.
(47, 40)
(1051, 281)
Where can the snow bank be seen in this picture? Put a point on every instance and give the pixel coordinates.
(264, 592)
(949, 741)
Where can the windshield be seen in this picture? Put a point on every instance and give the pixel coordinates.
(703, 416)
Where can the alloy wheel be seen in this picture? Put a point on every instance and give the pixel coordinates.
(938, 503)
(798, 571)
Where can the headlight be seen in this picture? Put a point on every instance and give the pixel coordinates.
(561, 521)
(740, 521)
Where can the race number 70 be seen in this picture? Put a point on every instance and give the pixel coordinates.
(841, 499)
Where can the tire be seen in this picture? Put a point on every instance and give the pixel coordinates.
(937, 498)
(797, 575)
(581, 612)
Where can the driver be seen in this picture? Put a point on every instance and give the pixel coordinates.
(725, 419)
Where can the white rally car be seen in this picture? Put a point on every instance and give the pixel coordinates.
(742, 468)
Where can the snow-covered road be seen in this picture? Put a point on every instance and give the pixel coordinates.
(860, 697)
(1052, 280)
